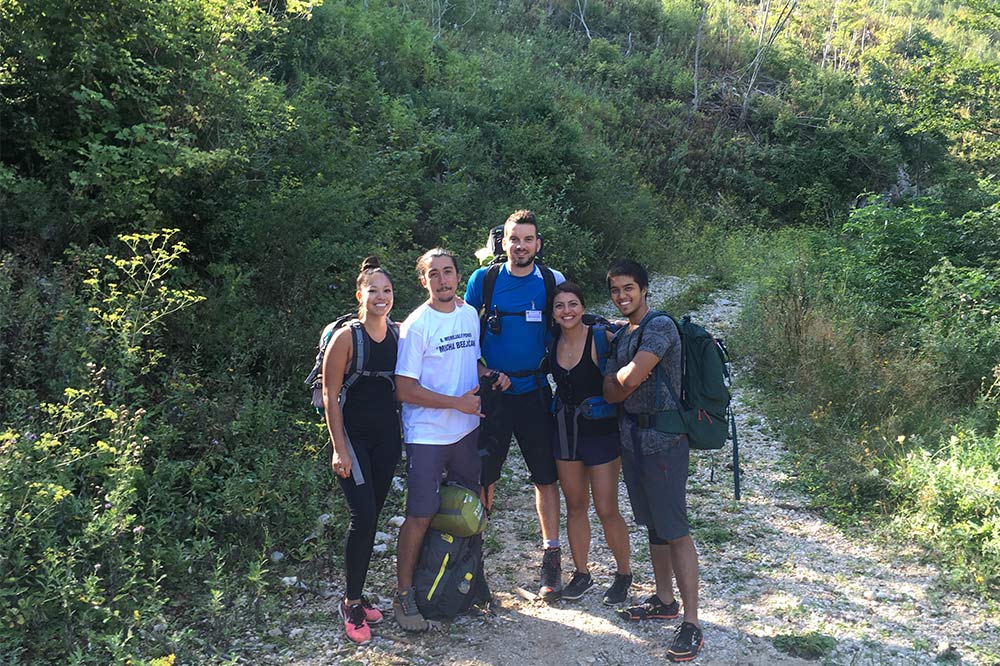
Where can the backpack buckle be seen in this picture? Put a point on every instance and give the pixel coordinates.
(645, 420)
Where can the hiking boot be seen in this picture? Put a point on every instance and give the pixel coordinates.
(355, 625)
(617, 594)
(686, 644)
(651, 609)
(578, 586)
(373, 615)
(404, 607)
(551, 577)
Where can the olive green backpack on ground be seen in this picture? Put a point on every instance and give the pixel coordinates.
(461, 513)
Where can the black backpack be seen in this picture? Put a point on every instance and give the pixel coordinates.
(449, 577)
(359, 358)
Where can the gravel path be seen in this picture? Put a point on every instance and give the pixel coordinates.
(772, 573)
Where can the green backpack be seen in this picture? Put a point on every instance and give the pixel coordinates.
(704, 400)
(704, 415)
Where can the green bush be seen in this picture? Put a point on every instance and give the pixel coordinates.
(73, 553)
(951, 498)
(960, 328)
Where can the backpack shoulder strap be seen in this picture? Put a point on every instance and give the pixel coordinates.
(360, 356)
(551, 343)
(489, 284)
(549, 278)
(650, 316)
(601, 345)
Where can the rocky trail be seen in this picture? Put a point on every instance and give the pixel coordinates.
(776, 580)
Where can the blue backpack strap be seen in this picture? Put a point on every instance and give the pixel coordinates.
(601, 346)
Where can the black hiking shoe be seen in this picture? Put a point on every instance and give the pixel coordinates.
(686, 644)
(651, 609)
(617, 594)
(578, 586)
(550, 588)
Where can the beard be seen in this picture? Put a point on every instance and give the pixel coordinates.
(523, 261)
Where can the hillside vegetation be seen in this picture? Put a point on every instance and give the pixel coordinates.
(188, 186)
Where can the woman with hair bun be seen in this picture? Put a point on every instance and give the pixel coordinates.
(364, 429)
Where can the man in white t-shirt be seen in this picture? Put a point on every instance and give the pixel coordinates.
(437, 380)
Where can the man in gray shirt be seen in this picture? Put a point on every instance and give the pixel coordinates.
(647, 355)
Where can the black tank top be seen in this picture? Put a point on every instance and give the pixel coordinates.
(582, 381)
(372, 399)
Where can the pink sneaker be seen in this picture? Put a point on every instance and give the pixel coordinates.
(372, 614)
(355, 625)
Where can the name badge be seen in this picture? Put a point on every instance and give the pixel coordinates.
(534, 316)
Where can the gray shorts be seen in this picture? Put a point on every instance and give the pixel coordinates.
(426, 464)
(657, 487)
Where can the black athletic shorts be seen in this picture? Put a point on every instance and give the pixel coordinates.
(528, 417)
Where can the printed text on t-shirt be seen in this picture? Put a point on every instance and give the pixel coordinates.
(457, 341)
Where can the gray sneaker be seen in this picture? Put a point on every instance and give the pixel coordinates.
(404, 607)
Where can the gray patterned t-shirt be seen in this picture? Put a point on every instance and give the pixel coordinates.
(660, 338)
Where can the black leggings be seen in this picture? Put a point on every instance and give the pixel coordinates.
(377, 451)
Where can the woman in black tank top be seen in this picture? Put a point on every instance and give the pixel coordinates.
(587, 451)
(364, 428)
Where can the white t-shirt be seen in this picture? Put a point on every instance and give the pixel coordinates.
(441, 351)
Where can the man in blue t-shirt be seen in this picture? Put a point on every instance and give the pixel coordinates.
(514, 343)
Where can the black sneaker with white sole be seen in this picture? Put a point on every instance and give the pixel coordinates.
(651, 609)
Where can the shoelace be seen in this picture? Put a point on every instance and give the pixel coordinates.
(356, 615)
(686, 632)
(409, 603)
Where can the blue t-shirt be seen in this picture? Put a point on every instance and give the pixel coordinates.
(521, 344)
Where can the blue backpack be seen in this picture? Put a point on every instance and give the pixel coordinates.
(593, 408)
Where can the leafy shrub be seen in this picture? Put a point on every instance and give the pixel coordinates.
(951, 498)
(960, 326)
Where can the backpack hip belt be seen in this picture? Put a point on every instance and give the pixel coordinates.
(669, 421)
